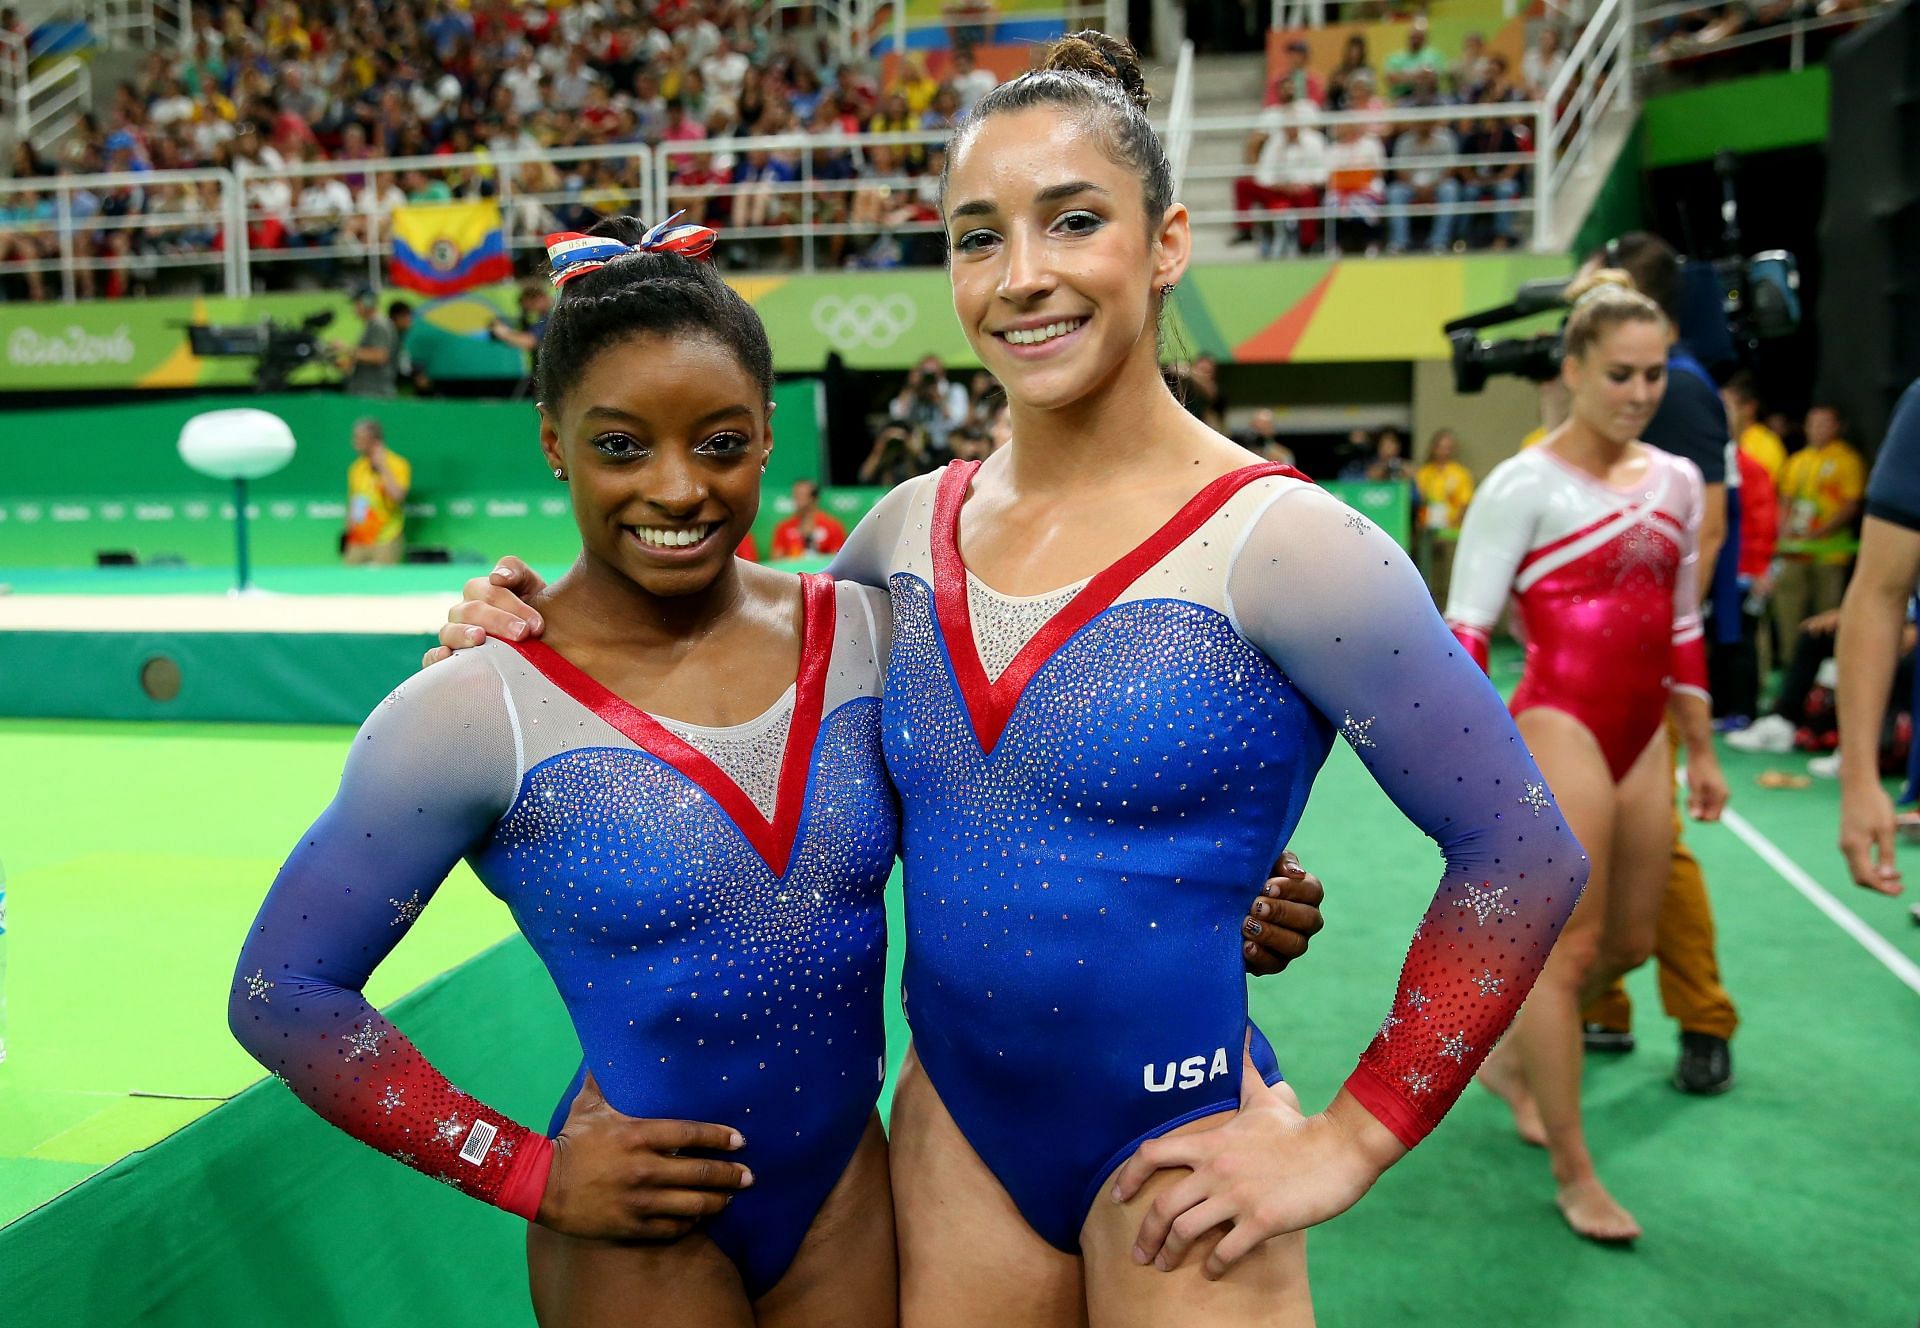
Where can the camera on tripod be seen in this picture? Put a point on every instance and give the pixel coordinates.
(1727, 305)
(1757, 298)
(280, 348)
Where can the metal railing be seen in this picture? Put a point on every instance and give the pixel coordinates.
(148, 23)
(44, 104)
(128, 227)
(1659, 50)
(805, 189)
(286, 217)
(1179, 133)
(1473, 189)
(1596, 79)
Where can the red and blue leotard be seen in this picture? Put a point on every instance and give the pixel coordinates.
(1089, 780)
(707, 901)
(1607, 585)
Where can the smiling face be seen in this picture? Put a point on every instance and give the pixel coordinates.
(1617, 384)
(1056, 272)
(662, 440)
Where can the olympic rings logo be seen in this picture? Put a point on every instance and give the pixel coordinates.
(863, 320)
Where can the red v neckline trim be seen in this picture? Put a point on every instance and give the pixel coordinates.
(990, 703)
(772, 839)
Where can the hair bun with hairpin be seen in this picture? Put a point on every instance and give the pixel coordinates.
(1101, 56)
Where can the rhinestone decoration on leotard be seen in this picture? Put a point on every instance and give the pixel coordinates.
(702, 986)
(1105, 850)
(1003, 624)
(749, 753)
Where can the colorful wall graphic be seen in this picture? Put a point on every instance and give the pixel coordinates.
(1298, 312)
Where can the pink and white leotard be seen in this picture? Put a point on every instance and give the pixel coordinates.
(1607, 585)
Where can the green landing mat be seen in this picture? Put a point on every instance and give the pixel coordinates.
(138, 853)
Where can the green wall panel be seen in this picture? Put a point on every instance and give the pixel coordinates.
(1745, 115)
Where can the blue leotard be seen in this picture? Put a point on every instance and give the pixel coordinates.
(1090, 780)
(707, 901)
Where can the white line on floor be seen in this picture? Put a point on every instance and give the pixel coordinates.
(1816, 894)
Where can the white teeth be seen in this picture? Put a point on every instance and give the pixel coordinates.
(1034, 336)
(672, 539)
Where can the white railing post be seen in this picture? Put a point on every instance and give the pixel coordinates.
(230, 252)
(809, 209)
(1543, 159)
(63, 203)
(241, 239)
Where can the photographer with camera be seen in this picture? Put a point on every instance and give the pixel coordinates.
(899, 453)
(930, 404)
(371, 368)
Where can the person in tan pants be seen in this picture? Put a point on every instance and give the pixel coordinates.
(1690, 988)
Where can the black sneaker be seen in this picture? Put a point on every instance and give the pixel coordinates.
(1705, 1065)
(1601, 1038)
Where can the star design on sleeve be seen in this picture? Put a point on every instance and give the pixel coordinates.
(392, 1098)
(448, 1131)
(1356, 522)
(1418, 999)
(258, 985)
(365, 1040)
(406, 1157)
(1355, 730)
(406, 910)
(1485, 903)
(1489, 984)
(503, 1147)
(1535, 797)
(1387, 1025)
(1418, 1081)
(1454, 1046)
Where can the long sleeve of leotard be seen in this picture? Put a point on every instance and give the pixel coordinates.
(869, 550)
(1494, 537)
(1689, 664)
(1333, 601)
(429, 773)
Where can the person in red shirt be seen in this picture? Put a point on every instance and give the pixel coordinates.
(808, 530)
(1734, 666)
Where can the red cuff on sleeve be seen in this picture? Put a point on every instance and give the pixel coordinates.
(1388, 1106)
(1690, 663)
(1474, 640)
(526, 1181)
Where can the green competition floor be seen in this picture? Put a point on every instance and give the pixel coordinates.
(137, 853)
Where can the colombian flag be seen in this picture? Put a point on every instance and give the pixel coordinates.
(445, 248)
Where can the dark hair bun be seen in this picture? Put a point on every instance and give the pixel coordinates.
(1101, 56)
(627, 230)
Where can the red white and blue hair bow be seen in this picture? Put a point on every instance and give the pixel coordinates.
(569, 253)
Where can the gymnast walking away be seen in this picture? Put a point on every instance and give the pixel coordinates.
(678, 792)
(1119, 658)
(1597, 537)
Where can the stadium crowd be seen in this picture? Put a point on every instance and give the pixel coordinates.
(307, 80)
(1365, 174)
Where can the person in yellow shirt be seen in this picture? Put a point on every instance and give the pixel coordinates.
(912, 82)
(1821, 486)
(1445, 487)
(1743, 419)
(377, 484)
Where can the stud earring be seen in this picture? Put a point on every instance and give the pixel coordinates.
(559, 474)
(1166, 290)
